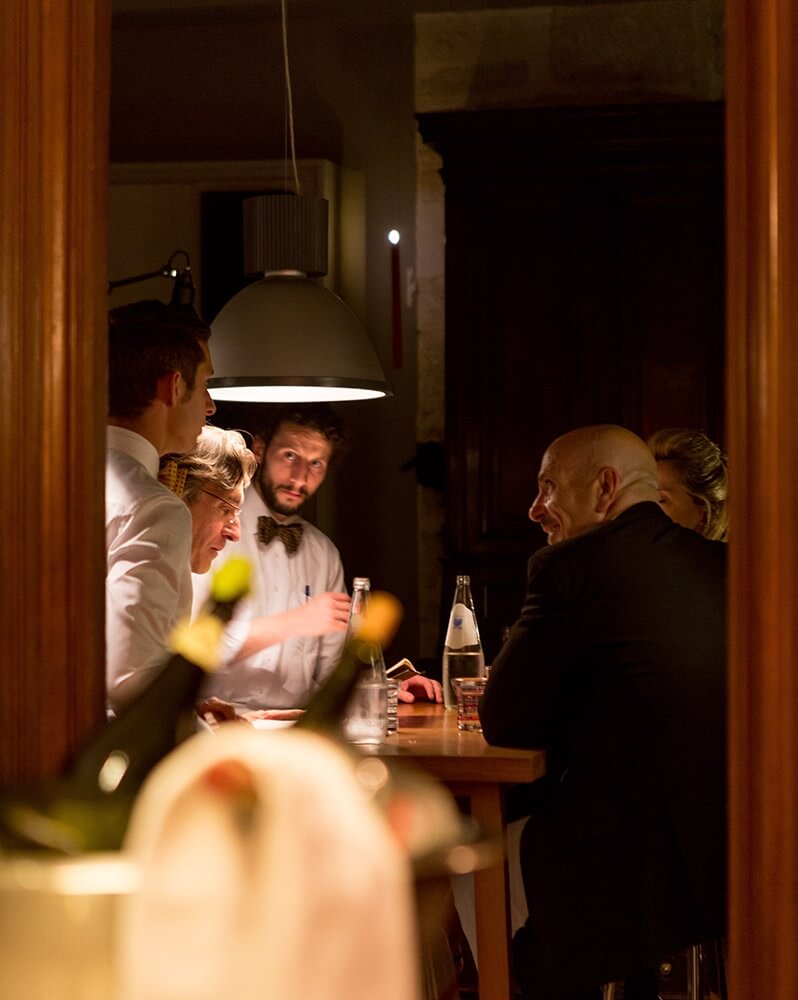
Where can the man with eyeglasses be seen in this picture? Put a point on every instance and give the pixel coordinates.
(285, 638)
(159, 365)
(211, 481)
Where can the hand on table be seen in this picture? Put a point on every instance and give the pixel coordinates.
(214, 711)
(420, 688)
(280, 714)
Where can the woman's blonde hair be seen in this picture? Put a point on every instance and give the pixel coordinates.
(701, 467)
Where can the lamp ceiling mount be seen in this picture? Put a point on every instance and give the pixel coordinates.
(285, 232)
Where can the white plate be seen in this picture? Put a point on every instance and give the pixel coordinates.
(272, 723)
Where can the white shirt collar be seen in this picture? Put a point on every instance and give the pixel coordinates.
(133, 444)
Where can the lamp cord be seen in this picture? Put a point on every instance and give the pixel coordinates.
(289, 94)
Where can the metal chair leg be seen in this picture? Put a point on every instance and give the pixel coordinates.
(702, 961)
(694, 990)
(713, 957)
(720, 952)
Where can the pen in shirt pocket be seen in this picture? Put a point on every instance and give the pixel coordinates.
(307, 592)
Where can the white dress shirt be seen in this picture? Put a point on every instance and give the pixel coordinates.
(148, 549)
(286, 674)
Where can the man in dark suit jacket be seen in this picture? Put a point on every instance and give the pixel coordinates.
(617, 666)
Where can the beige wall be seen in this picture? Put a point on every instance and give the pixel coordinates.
(604, 53)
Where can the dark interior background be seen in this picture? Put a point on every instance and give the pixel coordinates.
(584, 258)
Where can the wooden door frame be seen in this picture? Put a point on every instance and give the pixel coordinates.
(762, 421)
(53, 220)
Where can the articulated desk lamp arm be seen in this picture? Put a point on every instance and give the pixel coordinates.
(183, 291)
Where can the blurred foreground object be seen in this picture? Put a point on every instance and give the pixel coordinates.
(255, 865)
(87, 809)
(249, 855)
(59, 924)
(266, 871)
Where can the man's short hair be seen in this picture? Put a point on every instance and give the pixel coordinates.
(318, 417)
(147, 340)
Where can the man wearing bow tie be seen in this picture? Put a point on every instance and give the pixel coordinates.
(288, 636)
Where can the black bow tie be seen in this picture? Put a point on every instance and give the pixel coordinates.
(290, 534)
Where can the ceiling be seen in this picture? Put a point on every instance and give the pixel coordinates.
(383, 10)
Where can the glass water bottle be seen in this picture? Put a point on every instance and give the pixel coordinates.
(462, 651)
(365, 721)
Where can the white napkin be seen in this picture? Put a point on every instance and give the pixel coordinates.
(305, 896)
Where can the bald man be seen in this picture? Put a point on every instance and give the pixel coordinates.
(617, 667)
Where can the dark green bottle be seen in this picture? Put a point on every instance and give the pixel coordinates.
(87, 808)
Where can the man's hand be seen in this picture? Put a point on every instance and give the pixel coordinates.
(420, 688)
(319, 615)
(328, 612)
(214, 710)
(279, 714)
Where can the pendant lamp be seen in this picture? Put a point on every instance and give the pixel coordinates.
(286, 337)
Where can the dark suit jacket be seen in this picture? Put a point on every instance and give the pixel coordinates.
(617, 667)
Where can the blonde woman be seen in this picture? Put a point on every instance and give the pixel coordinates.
(693, 480)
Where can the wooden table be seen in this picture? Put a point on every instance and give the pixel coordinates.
(471, 769)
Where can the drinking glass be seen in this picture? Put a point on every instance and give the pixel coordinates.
(393, 706)
(365, 722)
(468, 690)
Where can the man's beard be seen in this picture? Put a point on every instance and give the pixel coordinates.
(268, 492)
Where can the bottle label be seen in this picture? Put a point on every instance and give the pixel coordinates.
(462, 629)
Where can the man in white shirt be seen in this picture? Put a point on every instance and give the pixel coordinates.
(288, 635)
(159, 366)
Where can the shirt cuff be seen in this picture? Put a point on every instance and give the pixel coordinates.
(233, 639)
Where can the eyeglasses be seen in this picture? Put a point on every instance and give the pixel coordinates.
(236, 511)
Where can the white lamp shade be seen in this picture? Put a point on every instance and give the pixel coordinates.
(287, 338)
